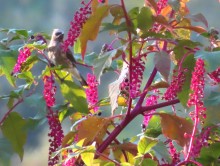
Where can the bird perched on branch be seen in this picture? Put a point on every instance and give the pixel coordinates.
(58, 56)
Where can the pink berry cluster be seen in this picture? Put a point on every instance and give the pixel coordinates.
(92, 91)
(49, 90)
(197, 87)
(160, 5)
(56, 136)
(200, 141)
(138, 67)
(174, 154)
(152, 100)
(22, 57)
(76, 25)
(215, 76)
(175, 85)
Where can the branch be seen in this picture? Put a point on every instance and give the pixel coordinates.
(15, 105)
(130, 54)
(136, 111)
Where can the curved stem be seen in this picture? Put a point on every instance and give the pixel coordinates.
(136, 111)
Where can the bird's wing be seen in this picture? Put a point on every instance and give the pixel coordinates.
(69, 55)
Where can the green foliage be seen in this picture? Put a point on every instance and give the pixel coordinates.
(13, 130)
(74, 94)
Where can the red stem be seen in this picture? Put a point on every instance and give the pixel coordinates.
(136, 111)
(130, 54)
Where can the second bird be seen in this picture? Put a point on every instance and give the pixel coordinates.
(58, 56)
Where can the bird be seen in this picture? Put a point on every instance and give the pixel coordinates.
(58, 56)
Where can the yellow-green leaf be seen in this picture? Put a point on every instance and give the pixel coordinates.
(91, 27)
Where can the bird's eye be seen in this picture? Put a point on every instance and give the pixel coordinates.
(58, 33)
(32, 37)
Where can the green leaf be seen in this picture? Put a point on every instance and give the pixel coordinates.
(19, 32)
(7, 62)
(92, 25)
(74, 94)
(188, 63)
(161, 152)
(212, 59)
(27, 76)
(153, 129)
(103, 61)
(209, 155)
(13, 130)
(6, 152)
(145, 19)
(162, 63)
(145, 144)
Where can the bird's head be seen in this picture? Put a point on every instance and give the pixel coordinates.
(57, 35)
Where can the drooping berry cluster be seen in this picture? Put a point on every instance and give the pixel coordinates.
(160, 5)
(92, 91)
(56, 136)
(22, 57)
(215, 76)
(175, 85)
(76, 25)
(174, 154)
(152, 100)
(138, 67)
(49, 90)
(197, 87)
(200, 141)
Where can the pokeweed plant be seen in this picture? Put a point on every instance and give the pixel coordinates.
(183, 80)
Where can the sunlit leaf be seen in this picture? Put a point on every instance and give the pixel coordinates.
(92, 25)
(114, 88)
(175, 127)
(93, 129)
(145, 144)
(74, 94)
(12, 129)
(128, 146)
(183, 33)
(88, 155)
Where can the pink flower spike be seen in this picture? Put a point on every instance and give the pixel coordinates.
(49, 90)
(76, 25)
(22, 57)
(197, 87)
(92, 91)
(55, 136)
(152, 100)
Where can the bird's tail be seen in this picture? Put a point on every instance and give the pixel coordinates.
(75, 73)
(83, 82)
